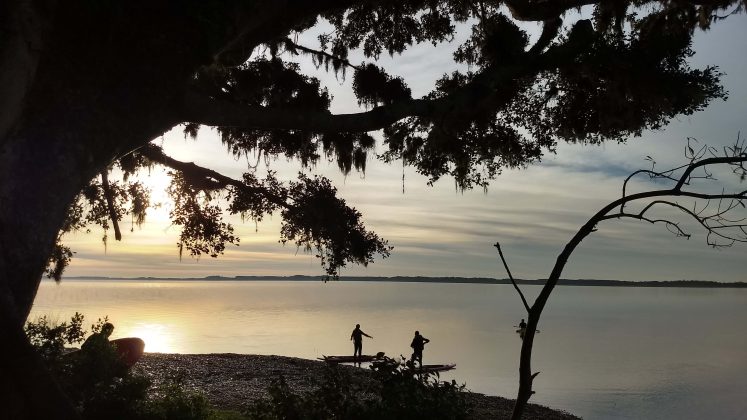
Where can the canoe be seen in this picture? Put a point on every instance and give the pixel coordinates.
(351, 359)
(522, 332)
(435, 368)
(130, 349)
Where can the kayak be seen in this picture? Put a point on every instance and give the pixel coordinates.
(435, 368)
(522, 332)
(130, 349)
(351, 359)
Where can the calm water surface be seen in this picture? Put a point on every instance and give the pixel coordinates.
(603, 352)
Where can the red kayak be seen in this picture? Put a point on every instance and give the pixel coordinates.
(130, 349)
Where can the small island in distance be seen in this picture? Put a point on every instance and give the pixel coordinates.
(422, 279)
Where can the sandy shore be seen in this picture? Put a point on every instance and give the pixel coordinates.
(232, 381)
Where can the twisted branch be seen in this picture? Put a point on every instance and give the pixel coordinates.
(716, 222)
(516, 286)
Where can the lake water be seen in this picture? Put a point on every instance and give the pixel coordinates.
(603, 352)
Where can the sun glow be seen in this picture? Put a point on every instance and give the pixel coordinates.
(158, 338)
(157, 181)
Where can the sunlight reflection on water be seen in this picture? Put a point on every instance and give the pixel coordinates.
(159, 338)
(604, 352)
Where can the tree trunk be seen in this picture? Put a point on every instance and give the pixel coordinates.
(79, 87)
(28, 220)
(27, 390)
(38, 181)
(526, 377)
(525, 367)
(23, 29)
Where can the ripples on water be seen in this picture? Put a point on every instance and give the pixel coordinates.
(604, 352)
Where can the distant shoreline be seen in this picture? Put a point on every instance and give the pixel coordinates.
(422, 279)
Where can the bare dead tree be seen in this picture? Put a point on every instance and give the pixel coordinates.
(716, 212)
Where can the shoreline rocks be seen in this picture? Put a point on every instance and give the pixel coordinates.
(233, 381)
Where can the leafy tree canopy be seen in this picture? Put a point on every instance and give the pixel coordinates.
(110, 77)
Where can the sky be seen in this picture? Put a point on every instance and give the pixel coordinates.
(440, 231)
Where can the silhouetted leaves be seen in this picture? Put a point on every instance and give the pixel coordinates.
(588, 81)
(271, 84)
(391, 26)
(203, 230)
(58, 261)
(372, 86)
(320, 221)
(495, 40)
(254, 202)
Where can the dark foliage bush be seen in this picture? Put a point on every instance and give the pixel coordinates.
(392, 391)
(100, 385)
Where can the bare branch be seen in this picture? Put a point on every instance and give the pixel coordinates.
(652, 174)
(737, 196)
(516, 286)
(712, 223)
(671, 226)
(702, 163)
(719, 228)
(737, 157)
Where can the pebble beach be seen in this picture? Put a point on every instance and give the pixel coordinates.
(233, 381)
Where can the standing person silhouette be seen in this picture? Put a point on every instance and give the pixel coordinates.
(522, 328)
(522, 324)
(357, 337)
(418, 344)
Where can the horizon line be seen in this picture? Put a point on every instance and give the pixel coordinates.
(431, 279)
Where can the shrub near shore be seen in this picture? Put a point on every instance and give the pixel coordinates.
(101, 387)
(392, 392)
(240, 387)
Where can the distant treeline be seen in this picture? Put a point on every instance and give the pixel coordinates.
(477, 280)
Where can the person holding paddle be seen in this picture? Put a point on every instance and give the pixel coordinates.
(418, 344)
(357, 337)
